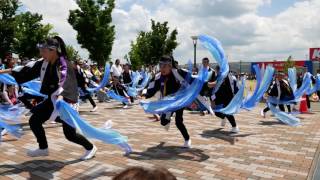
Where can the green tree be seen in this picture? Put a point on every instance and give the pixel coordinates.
(8, 10)
(95, 31)
(72, 54)
(288, 64)
(28, 32)
(150, 46)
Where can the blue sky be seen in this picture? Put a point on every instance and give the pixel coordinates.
(249, 30)
(275, 7)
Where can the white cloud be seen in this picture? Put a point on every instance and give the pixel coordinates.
(244, 34)
(56, 13)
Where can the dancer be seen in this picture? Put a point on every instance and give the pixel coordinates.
(119, 89)
(116, 69)
(126, 78)
(58, 82)
(83, 82)
(168, 82)
(223, 97)
(208, 86)
(281, 90)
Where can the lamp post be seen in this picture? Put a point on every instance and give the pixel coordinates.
(195, 39)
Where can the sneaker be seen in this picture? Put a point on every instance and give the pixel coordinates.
(167, 127)
(223, 122)
(94, 109)
(4, 132)
(89, 154)
(157, 117)
(38, 152)
(187, 144)
(263, 114)
(125, 107)
(53, 122)
(235, 130)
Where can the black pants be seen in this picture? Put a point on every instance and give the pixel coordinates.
(230, 118)
(179, 123)
(26, 100)
(88, 96)
(308, 102)
(41, 113)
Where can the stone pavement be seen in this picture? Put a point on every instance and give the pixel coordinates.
(265, 148)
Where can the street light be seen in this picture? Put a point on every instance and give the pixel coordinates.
(195, 39)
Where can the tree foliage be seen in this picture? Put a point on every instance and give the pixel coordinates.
(8, 10)
(72, 54)
(150, 46)
(93, 22)
(21, 32)
(288, 64)
(28, 33)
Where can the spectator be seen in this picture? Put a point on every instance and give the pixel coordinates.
(116, 69)
(96, 73)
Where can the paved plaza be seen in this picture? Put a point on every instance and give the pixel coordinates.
(264, 148)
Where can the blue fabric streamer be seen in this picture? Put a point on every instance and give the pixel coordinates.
(179, 100)
(33, 92)
(11, 113)
(235, 104)
(275, 100)
(135, 79)
(116, 97)
(105, 80)
(34, 85)
(33, 88)
(292, 74)
(304, 87)
(284, 117)
(251, 101)
(255, 98)
(316, 86)
(12, 129)
(146, 78)
(72, 117)
(215, 48)
(7, 79)
(132, 91)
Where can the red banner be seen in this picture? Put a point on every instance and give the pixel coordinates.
(314, 54)
(279, 65)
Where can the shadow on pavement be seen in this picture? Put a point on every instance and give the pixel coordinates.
(227, 136)
(161, 152)
(46, 167)
(94, 173)
(271, 123)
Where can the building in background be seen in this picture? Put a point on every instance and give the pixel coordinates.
(313, 64)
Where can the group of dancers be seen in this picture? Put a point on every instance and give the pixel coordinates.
(62, 80)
